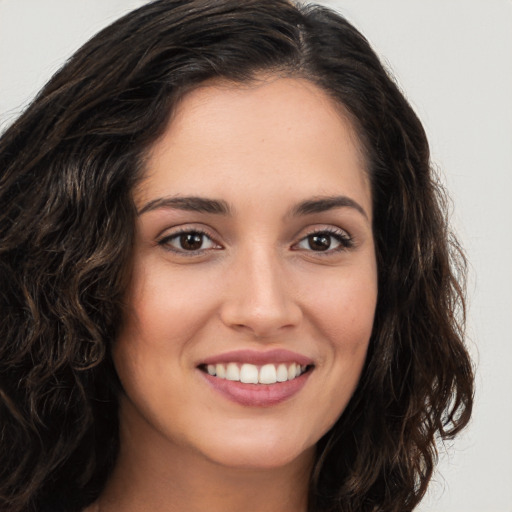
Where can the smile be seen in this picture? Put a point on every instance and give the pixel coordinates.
(253, 374)
(257, 378)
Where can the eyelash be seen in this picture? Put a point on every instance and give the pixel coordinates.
(345, 241)
(165, 241)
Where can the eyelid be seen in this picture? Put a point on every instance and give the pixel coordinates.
(180, 230)
(344, 238)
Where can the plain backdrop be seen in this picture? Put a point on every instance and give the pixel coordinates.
(453, 59)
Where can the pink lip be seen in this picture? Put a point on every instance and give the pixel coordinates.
(257, 395)
(259, 358)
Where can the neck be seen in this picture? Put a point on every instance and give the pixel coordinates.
(153, 474)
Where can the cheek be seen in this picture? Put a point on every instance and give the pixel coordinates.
(169, 309)
(152, 352)
(159, 329)
(343, 313)
(344, 308)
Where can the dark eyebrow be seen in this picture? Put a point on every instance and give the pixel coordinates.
(192, 204)
(220, 207)
(323, 204)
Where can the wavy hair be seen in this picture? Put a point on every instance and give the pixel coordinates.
(67, 169)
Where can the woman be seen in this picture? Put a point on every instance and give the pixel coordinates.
(227, 276)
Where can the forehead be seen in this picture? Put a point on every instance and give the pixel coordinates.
(282, 130)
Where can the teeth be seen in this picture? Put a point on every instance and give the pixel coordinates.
(220, 371)
(232, 372)
(268, 374)
(252, 374)
(291, 371)
(282, 373)
(249, 374)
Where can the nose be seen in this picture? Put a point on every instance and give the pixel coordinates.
(259, 298)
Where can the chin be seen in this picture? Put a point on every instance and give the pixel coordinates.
(259, 452)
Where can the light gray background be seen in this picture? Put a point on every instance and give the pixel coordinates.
(454, 60)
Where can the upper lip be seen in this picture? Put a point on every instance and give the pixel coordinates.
(258, 357)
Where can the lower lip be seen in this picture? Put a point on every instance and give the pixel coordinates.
(257, 395)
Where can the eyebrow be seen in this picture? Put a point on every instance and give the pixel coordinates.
(191, 204)
(221, 207)
(323, 204)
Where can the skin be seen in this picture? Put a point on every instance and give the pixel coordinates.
(257, 282)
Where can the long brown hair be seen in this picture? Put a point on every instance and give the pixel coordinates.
(67, 169)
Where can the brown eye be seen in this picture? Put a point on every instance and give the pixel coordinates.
(320, 242)
(188, 241)
(326, 241)
(191, 241)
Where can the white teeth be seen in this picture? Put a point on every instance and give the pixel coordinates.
(249, 374)
(268, 374)
(220, 371)
(232, 372)
(282, 373)
(252, 374)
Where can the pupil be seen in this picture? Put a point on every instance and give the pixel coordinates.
(320, 242)
(191, 241)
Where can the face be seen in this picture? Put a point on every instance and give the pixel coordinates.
(254, 281)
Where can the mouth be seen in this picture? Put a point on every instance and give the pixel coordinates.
(247, 373)
(257, 378)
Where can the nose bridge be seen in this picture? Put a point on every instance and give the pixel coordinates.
(259, 298)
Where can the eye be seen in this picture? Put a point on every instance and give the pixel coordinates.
(326, 240)
(191, 241)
